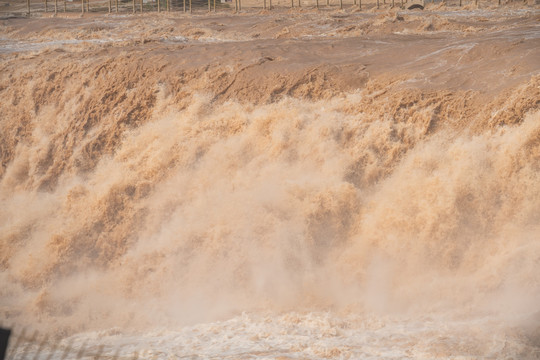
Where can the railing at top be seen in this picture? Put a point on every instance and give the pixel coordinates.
(20, 346)
(28, 7)
(34, 346)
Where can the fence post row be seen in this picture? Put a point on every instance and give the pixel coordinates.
(85, 5)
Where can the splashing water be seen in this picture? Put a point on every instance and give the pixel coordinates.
(380, 223)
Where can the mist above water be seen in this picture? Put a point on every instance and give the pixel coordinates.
(207, 212)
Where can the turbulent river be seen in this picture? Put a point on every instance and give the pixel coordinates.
(274, 185)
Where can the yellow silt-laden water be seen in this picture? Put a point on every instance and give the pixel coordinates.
(274, 185)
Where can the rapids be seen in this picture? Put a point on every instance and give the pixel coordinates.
(290, 186)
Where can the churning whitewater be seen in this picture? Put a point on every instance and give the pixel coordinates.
(337, 185)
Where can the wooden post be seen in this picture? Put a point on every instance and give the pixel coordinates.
(459, 3)
(55, 7)
(168, 5)
(299, 3)
(46, 9)
(270, 4)
(292, 4)
(28, 7)
(82, 6)
(209, 6)
(65, 6)
(377, 4)
(317, 4)
(190, 9)
(402, 4)
(341, 4)
(327, 2)
(134, 6)
(141, 6)
(359, 4)
(392, 3)
(158, 5)
(240, 5)
(184, 5)
(235, 6)
(214, 5)
(110, 5)
(87, 5)
(264, 4)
